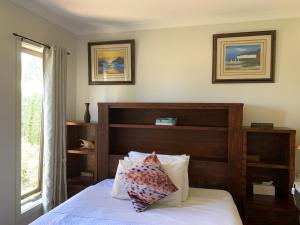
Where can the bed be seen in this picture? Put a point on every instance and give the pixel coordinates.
(95, 206)
(209, 132)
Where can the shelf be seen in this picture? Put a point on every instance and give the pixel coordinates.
(268, 130)
(270, 201)
(176, 127)
(78, 123)
(80, 181)
(81, 151)
(267, 165)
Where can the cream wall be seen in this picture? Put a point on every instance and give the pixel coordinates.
(16, 19)
(174, 65)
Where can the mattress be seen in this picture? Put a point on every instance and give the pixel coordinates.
(95, 206)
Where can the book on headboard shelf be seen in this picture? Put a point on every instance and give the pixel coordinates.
(262, 125)
(166, 121)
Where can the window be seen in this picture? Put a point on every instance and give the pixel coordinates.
(31, 120)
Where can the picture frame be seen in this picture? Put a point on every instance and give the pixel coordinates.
(111, 62)
(246, 57)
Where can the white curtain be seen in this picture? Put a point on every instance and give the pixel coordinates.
(54, 114)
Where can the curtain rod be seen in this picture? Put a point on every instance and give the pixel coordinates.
(40, 43)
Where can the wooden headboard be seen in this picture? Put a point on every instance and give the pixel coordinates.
(209, 132)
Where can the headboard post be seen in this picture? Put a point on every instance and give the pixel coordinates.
(103, 140)
(235, 152)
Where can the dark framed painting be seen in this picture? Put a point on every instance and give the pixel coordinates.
(244, 57)
(111, 62)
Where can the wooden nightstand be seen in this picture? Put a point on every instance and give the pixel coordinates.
(80, 160)
(269, 210)
(272, 154)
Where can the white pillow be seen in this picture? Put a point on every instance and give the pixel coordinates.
(169, 158)
(175, 171)
(118, 189)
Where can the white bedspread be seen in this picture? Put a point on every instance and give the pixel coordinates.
(95, 206)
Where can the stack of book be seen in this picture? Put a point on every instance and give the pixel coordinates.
(167, 121)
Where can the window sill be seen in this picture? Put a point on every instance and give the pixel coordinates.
(29, 211)
(30, 205)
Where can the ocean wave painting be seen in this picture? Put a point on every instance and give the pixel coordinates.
(110, 62)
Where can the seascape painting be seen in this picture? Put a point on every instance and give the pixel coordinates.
(243, 57)
(110, 62)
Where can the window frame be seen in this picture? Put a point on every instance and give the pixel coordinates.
(35, 193)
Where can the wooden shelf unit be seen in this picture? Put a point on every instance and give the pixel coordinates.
(275, 151)
(209, 132)
(175, 127)
(78, 159)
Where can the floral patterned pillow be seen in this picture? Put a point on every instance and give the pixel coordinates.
(146, 182)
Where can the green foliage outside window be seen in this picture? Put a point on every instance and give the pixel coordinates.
(31, 121)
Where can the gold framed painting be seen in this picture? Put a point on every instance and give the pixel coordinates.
(244, 57)
(111, 62)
